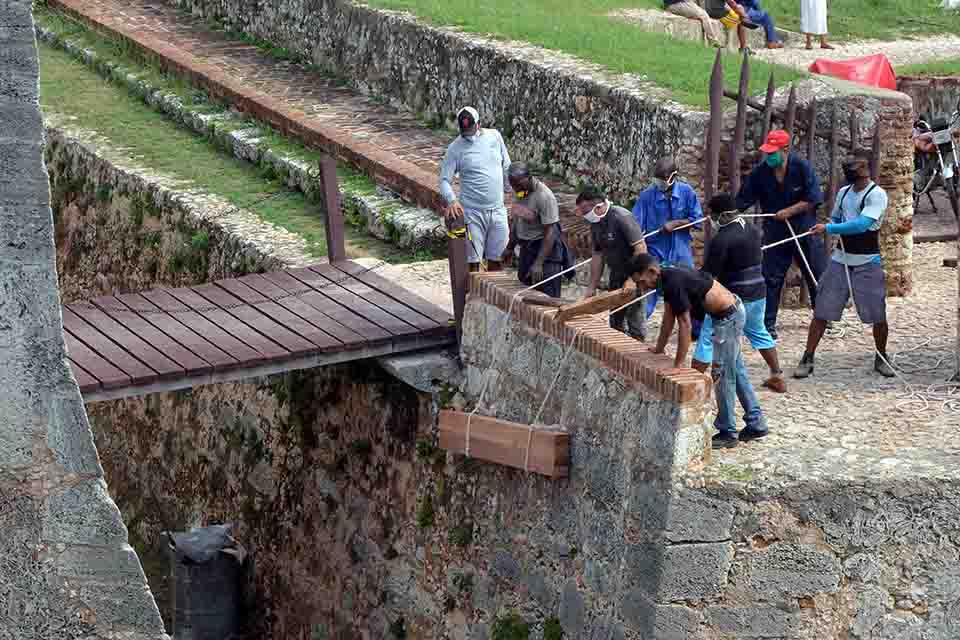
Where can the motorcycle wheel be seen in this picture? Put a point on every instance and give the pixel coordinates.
(952, 194)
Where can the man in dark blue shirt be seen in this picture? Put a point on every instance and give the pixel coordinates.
(786, 185)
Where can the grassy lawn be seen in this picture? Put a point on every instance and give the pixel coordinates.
(69, 88)
(949, 67)
(872, 19)
(582, 28)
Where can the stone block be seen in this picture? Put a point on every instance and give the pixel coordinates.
(128, 606)
(84, 514)
(100, 564)
(504, 566)
(871, 606)
(784, 570)
(692, 572)
(70, 439)
(694, 518)
(541, 590)
(756, 621)
(659, 621)
(572, 610)
(423, 371)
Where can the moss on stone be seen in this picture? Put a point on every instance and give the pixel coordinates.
(425, 513)
(510, 627)
(552, 629)
(462, 534)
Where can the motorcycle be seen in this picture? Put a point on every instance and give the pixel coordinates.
(936, 160)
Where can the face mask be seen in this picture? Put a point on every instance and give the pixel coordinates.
(850, 173)
(774, 160)
(592, 216)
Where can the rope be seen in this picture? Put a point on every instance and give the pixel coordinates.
(680, 228)
(803, 255)
(503, 341)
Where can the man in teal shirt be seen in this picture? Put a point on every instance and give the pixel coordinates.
(664, 206)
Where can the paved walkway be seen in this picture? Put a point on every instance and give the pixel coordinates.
(899, 52)
(390, 146)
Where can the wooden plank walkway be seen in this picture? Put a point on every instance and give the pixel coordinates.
(166, 339)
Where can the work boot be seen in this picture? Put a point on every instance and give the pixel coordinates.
(776, 383)
(881, 366)
(724, 440)
(805, 368)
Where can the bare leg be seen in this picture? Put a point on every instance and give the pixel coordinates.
(770, 357)
(880, 333)
(809, 41)
(817, 328)
(742, 36)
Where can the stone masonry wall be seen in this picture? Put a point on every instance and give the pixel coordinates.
(118, 230)
(936, 96)
(66, 569)
(435, 71)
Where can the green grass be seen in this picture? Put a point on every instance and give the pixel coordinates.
(582, 28)
(950, 67)
(872, 19)
(69, 88)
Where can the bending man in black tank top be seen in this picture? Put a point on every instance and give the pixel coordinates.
(687, 294)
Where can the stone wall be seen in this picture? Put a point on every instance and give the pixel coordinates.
(435, 71)
(67, 571)
(120, 230)
(870, 561)
(936, 96)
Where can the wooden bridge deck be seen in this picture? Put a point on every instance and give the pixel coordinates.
(165, 339)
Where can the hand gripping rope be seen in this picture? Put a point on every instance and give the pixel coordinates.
(914, 399)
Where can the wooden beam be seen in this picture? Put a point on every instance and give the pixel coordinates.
(336, 248)
(505, 443)
(740, 131)
(457, 258)
(597, 304)
(713, 139)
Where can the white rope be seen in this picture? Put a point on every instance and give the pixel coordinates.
(786, 240)
(680, 228)
(803, 255)
(503, 340)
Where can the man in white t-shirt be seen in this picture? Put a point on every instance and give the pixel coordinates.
(856, 218)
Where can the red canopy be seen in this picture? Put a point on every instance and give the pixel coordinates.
(872, 70)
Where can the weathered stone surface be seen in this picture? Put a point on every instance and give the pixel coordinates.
(692, 518)
(784, 570)
(67, 571)
(425, 372)
(692, 572)
(572, 609)
(757, 621)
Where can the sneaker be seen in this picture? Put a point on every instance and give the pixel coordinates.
(805, 368)
(776, 383)
(881, 367)
(749, 434)
(725, 440)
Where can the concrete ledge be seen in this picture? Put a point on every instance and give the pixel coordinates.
(657, 21)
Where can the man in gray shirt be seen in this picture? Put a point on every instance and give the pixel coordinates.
(535, 227)
(480, 158)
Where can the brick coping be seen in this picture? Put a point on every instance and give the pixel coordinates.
(616, 351)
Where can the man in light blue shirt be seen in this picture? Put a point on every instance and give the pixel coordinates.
(664, 206)
(856, 219)
(479, 156)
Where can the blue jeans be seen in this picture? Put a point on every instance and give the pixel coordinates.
(761, 17)
(732, 381)
(754, 329)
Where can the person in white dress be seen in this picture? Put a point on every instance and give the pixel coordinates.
(813, 22)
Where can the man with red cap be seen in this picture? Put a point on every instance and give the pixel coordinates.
(786, 185)
(479, 156)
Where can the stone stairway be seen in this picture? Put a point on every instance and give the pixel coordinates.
(389, 145)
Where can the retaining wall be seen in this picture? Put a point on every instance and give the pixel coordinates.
(67, 571)
(936, 96)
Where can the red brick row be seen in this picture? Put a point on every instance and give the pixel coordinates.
(626, 356)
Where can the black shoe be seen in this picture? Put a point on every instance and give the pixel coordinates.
(725, 440)
(805, 368)
(749, 25)
(750, 434)
(880, 366)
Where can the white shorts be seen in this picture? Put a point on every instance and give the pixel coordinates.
(488, 233)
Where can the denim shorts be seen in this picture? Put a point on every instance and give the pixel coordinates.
(754, 329)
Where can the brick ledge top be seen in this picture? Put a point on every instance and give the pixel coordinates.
(616, 351)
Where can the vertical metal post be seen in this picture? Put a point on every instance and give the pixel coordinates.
(768, 107)
(457, 257)
(713, 138)
(791, 112)
(740, 132)
(875, 155)
(336, 249)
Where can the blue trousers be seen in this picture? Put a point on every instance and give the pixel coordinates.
(732, 382)
(776, 263)
(761, 17)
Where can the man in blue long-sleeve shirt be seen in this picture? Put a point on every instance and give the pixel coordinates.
(856, 218)
(786, 185)
(479, 156)
(664, 206)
